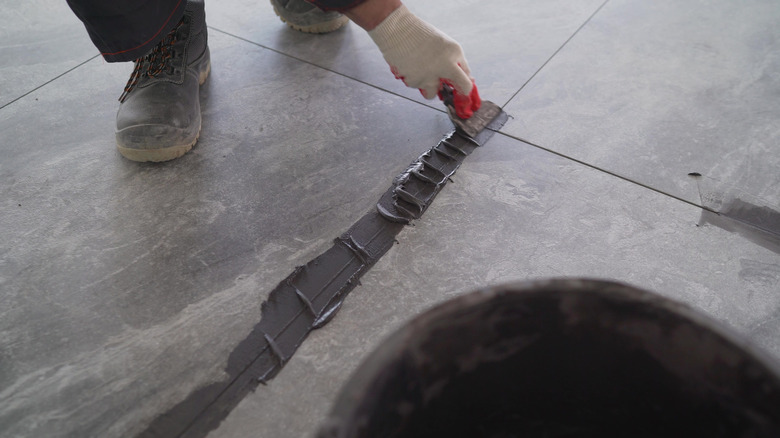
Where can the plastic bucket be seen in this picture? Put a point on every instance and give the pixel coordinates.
(560, 358)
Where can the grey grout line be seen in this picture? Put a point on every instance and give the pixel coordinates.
(49, 81)
(609, 172)
(556, 52)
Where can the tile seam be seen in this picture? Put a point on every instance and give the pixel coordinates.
(556, 52)
(49, 81)
(313, 64)
(609, 172)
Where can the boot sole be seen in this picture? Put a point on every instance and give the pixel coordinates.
(157, 155)
(324, 27)
(169, 153)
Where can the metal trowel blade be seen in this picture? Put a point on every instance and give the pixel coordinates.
(486, 113)
(481, 118)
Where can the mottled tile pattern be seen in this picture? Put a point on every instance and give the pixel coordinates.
(39, 40)
(505, 41)
(115, 273)
(656, 90)
(514, 212)
(125, 287)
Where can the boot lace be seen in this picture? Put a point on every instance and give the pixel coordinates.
(153, 63)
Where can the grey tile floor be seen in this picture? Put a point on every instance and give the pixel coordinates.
(124, 288)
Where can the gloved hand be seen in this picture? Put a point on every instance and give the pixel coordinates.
(425, 58)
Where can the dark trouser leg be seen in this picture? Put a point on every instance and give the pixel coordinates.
(124, 30)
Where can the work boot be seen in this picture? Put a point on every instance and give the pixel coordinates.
(306, 17)
(159, 117)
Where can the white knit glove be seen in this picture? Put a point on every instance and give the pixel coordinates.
(421, 55)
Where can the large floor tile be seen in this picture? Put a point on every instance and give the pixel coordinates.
(515, 212)
(126, 286)
(39, 40)
(505, 41)
(654, 91)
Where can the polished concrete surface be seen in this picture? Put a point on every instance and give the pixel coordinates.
(125, 287)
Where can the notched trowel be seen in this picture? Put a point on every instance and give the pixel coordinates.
(482, 117)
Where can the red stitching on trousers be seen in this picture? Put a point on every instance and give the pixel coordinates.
(153, 36)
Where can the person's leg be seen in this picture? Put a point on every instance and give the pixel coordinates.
(125, 30)
(159, 115)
